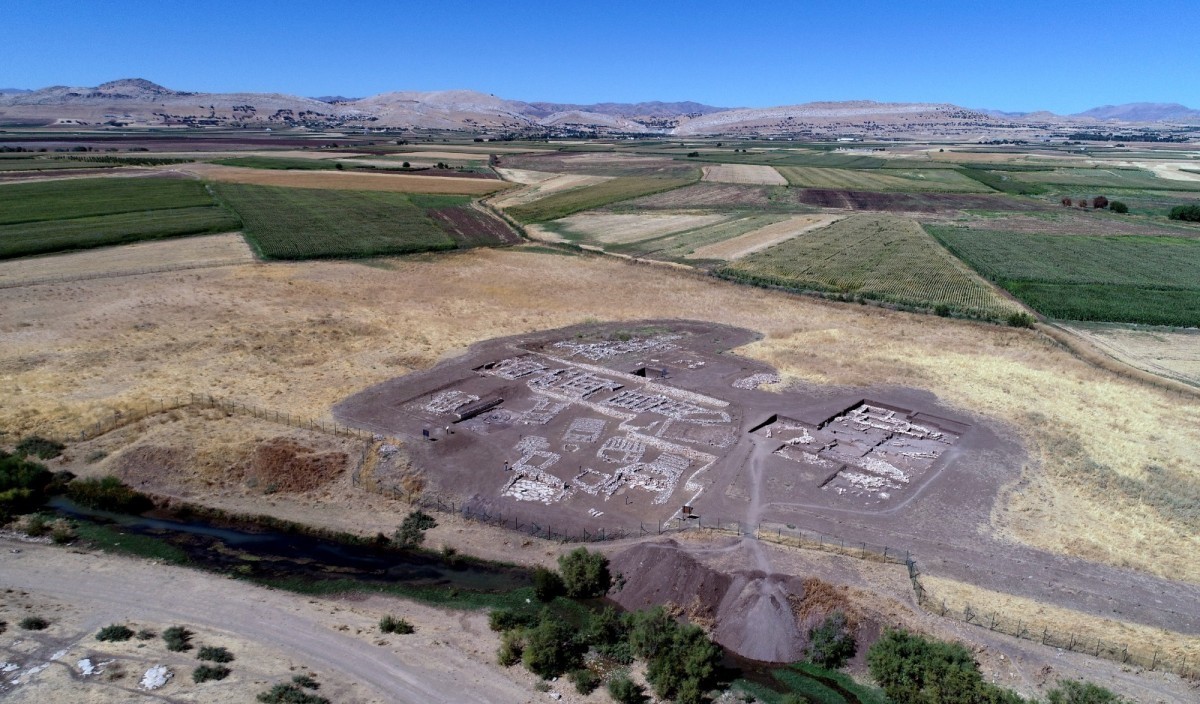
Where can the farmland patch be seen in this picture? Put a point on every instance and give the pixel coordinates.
(937, 180)
(621, 228)
(337, 180)
(762, 238)
(297, 223)
(876, 257)
(542, 185)
(1119, 279)
(561, 204)
(743, 173)
(186, 253)
(1174, 354)
(1104, 178)
(77, 198)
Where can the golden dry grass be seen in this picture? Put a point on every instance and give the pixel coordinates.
(1168, 352)
(303, 336)
(398, 183)
(188, 252)
(1014, 613)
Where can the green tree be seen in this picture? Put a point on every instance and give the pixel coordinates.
(1187, 213)
(584, 574)
(547, 584)
(625, 691)
(1117, 206)
(412, 531)
(831, 644)
(550, 647)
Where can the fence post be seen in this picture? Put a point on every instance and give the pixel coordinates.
(1154, 661)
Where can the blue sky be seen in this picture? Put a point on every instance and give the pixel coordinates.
(1010, 55)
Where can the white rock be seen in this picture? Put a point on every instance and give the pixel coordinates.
(86, 667)
(156, 677)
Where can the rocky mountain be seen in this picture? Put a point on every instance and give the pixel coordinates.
(1142, 112)
(140, 102)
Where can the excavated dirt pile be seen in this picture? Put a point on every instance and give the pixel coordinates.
(287, 465)
(757, 615)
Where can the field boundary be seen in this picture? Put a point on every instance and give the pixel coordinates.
(1087, 352)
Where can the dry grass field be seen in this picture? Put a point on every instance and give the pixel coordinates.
(1170, 352)
(396, 183)
(183, 253)
(938, 180)
(621, 228)
(303, 336)
(762, 238)
(743, 173)
(1036, 616)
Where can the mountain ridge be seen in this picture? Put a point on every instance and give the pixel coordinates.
(143, 102)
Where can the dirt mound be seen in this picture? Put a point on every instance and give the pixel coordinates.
(145, 466)
(756, 615)
(283, 464)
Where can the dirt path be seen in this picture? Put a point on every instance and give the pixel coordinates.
(113, 589)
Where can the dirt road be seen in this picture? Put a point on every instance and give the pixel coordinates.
(112, 589)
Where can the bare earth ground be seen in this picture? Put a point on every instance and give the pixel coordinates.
(744, 173)
(181, 253)
(619, 228)
(400, 183)
(298, 337)
(762, 238)
(1169, 352)
(272, 634)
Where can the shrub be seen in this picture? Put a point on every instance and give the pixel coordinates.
(625, 691)
(390, 624)
(1020, 319)
(910, 668)
(512, 646)
(1099, 202)
(681, 662)
(17, 473)
(1187, 213)
(585, 681)
(114, 633)
(584, 574)
(608, 628)
(205, 673)
(550, 648)
(1070, 692)
(547, 584)
(178, 639)
(214, 653)
(108, 494)
(146, 634)
(289, 694)
(3, 626)
(62, 532)
(412, 531)
(36, 526)
(34, 623)
(40, 447)
(508, 619)
(1117, 206)
(831, 644)
(306, 681)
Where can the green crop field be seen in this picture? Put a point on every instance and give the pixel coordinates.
(301, 223)
(877, 257)
(63, 200)
(1130, 279)
(54, 216)
(944, 180)
(50, 165)
(48, 236)
(1133, 179)
(564, 203)
(278, 162)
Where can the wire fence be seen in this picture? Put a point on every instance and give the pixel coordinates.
(782, 534)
